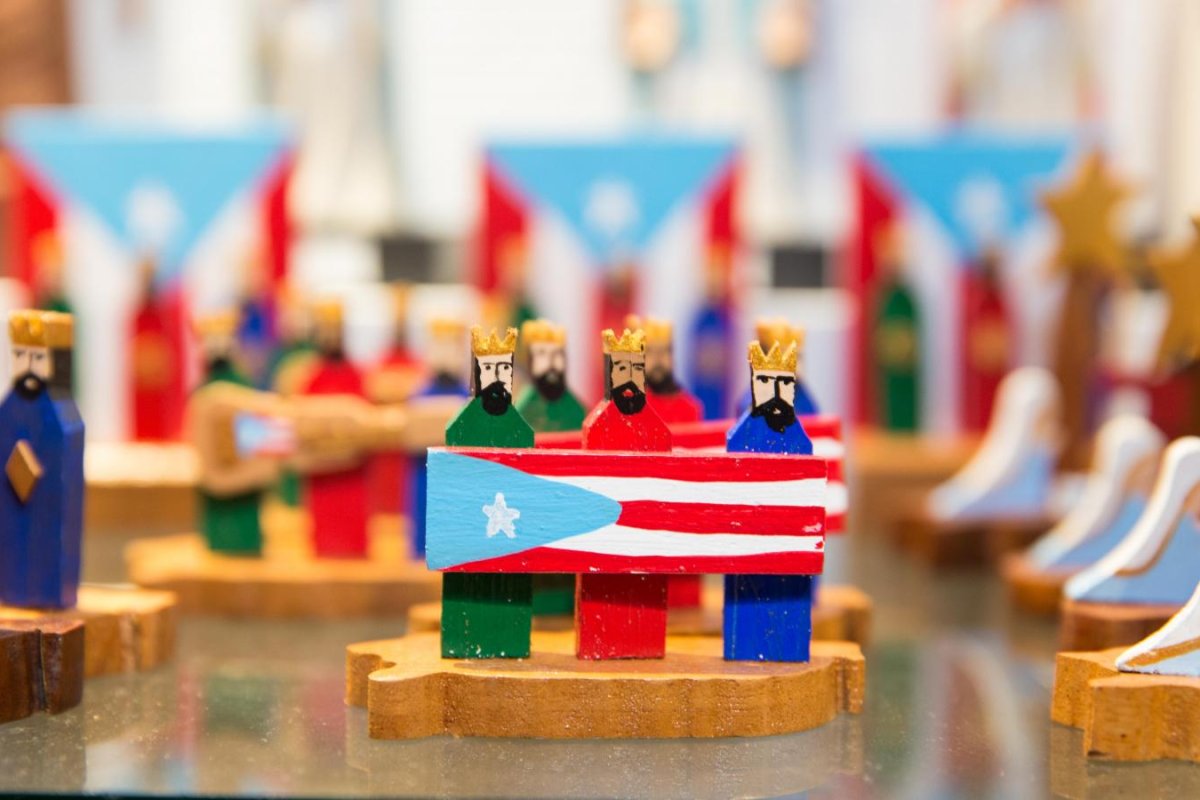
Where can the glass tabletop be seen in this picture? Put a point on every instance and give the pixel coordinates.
(957, 706)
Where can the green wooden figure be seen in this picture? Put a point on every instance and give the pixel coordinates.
(230, 522)
(488, 615)
(288, 371)
(549, 405)
(897, 347)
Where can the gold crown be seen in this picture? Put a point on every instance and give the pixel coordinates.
(446, 327)
(629, 341)
(60, 329)
(492, 345)
(658, 331)
(218, 323)
(780, 359)
(770, 331)
(328, 311)
(27, 328)
(542, 330)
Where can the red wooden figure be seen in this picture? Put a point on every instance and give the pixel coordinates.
(987, 343)
(337, 501)
(156, 360)
(622, 616)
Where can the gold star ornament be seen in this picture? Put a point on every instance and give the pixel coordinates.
(1083, 210)
(1178, 272)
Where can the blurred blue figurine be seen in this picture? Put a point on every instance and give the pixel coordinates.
(41, 445)
(446, 358)
(769, 617)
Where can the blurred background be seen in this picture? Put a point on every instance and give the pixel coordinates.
(577, 160)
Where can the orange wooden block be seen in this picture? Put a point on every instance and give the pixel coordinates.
(410, 692)
(1030, 589)
(966, 543)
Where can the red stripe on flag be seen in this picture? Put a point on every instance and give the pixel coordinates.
(549, 559)
(682, 466)
(835, 523)
(704, 518)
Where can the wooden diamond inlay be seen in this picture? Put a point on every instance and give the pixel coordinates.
(23, 470)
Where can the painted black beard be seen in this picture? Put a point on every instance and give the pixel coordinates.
(660, 381)
(28, 386)
(496, 399)
(632, 403)
(778, 415)
(219, 364)
(550, 384)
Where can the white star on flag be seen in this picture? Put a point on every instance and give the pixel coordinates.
(501, 517)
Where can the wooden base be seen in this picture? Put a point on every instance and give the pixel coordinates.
(41, 667)
(842, 613)
(1030, 589)
(1098, 626)
(140, 484)
(410, 692)
(1126, 716)
(125, 629)
(892, 472)
(285, 583)
(966, 544)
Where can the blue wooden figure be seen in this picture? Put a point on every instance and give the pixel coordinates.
(41, 447)
(769, 617)
(446, 357)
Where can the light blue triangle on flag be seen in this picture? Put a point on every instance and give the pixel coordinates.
(613, 193)
(477, 509)
(106, 165)
(981, 186)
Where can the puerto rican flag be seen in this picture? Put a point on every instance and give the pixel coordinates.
(825, 431)
(576, 511)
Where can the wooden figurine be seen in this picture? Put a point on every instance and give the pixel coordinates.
(229, 516)
(1091, 255)
(548, 404)
(988, 348)
(769, 617)
(1128, 449)
(41, 444)
(1136, 704)
(447, 365)
(290, 369)
(671, 401)
(337, 501)
(896, 341)
(156, 360)
(768, 333)
(393, 381)
(1178, 273)
(623, 616)
(489, 615)
(1151, 573)
(1005, 487)
(711, 338)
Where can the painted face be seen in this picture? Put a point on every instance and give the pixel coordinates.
(660, 365)
(627, 377)
(768, 385)
(32, 369)
(548, 369)
(494, 382)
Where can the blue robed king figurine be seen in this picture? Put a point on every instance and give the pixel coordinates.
(41, 451)
(769, 617)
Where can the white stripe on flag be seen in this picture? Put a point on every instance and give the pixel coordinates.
(799, 493)
(619, 540)
(828, 448)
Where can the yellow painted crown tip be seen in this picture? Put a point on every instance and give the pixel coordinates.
(492, 345)
(542, 330)
(628, 342)
(778, 358)
(27, 328)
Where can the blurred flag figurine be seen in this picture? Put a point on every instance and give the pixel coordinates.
(549, 404)
(896, 342)
(623, 615)
(337, 501)
(769, 617)
(41, 444)
(987, 351)
(664, 394)
(230, 521)
(156, 360)
(489, 615)
(447, 365)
